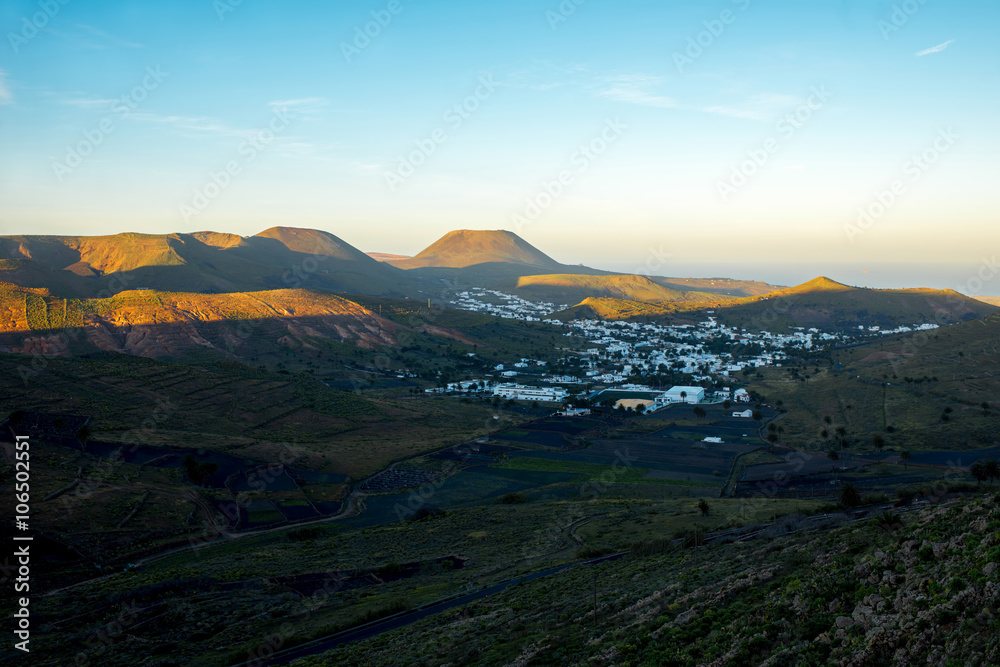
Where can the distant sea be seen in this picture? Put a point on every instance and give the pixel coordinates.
(964, 278)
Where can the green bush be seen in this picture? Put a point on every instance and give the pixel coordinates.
(512, 499)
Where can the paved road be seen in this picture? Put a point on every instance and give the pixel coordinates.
(406, 618)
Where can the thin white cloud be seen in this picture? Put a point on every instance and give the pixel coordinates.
(195, 124)
(304, 149)
(108, 37)
(934, 49)
(304, 106)
(87, 102)
(643, 89)
(761, 107)
(5, 96)
(634, 89)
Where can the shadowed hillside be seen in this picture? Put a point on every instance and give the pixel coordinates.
(827, 304)
(821, 303)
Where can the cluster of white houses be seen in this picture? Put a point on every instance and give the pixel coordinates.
(505, 305)
(556, 394)
(621, 351)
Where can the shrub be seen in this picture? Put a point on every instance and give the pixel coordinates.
(590, 552)
(304, 533)
(425, 513)
(888, 520)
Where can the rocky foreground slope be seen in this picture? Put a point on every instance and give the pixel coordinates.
(925, 591)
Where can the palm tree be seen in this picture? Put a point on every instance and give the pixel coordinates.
(833, 456)
(878, 442)
(904, 456)
(992, 469)
(978, 472)
(849, 496)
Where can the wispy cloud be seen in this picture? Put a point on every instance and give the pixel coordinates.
(649, 90)
(87, 102)
(192, 124)
(635, 89)
(934, 49)
(761, 107)
(305, 106)
(641, 89)
(5, 96)
(88, 37)
(109, 38)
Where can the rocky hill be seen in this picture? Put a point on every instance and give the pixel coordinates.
(280, 257)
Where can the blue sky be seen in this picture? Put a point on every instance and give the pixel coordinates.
(686, 136)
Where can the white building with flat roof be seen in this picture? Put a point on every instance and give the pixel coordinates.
(520, 392)
(681, 394)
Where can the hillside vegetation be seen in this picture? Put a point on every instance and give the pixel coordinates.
(569, 288)
(927, 390)
(623, 309)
